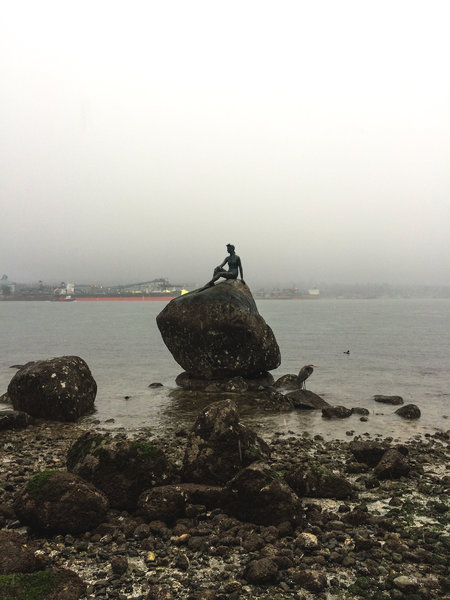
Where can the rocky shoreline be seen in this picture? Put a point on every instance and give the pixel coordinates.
(388, 540)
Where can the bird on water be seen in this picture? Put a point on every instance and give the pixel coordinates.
(303, 375)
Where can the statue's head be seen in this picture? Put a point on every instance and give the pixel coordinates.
(230, 248)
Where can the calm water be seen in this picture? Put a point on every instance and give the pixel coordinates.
(397, 347)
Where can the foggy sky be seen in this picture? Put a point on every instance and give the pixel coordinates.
(138, 138)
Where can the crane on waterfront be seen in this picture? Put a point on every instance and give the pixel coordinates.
(303, 375)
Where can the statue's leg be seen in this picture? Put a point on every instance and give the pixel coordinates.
(218, 273)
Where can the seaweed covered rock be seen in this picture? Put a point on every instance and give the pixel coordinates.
(60, 502)
(121, 468)
(54, 584)
(60, 389)
(217, 333)
(260, 495)
(219, 445)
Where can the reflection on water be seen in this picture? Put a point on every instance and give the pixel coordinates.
(166, 408)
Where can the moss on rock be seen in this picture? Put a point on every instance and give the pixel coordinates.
(26, 586)
(36, 483)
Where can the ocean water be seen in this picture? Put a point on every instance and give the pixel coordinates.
(397, 347)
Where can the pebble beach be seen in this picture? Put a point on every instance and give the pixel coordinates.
(390, 540)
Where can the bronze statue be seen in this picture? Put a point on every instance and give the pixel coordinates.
(234, 267)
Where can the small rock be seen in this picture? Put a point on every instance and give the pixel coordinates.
(182, 562)
(307, 541)
(406, 584)
(356, 410)
(119, 565)
(310, 579)
(260, 571)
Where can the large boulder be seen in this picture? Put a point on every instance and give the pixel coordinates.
(217, 332)
(60, 502)
(60, 389)
(219, 445)
(122, 469)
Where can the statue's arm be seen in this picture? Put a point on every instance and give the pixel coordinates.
(225, 260)
(241, 271)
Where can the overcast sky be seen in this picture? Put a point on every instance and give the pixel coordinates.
(138, 138)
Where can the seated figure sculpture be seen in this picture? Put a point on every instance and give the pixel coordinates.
(234, 267)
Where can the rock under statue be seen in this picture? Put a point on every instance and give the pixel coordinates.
(216, 332)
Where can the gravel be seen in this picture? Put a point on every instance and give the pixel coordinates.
(390, 541)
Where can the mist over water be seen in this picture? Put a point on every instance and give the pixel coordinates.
(138, 139)
(397, 347)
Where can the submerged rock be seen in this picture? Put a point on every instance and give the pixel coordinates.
(60, 389)
(217, 332)
(272, 400)
(236, 384)
(389, 399)
(219, 445)
(287, 382)
(336, 412)
(408, 411)
(306, 400)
